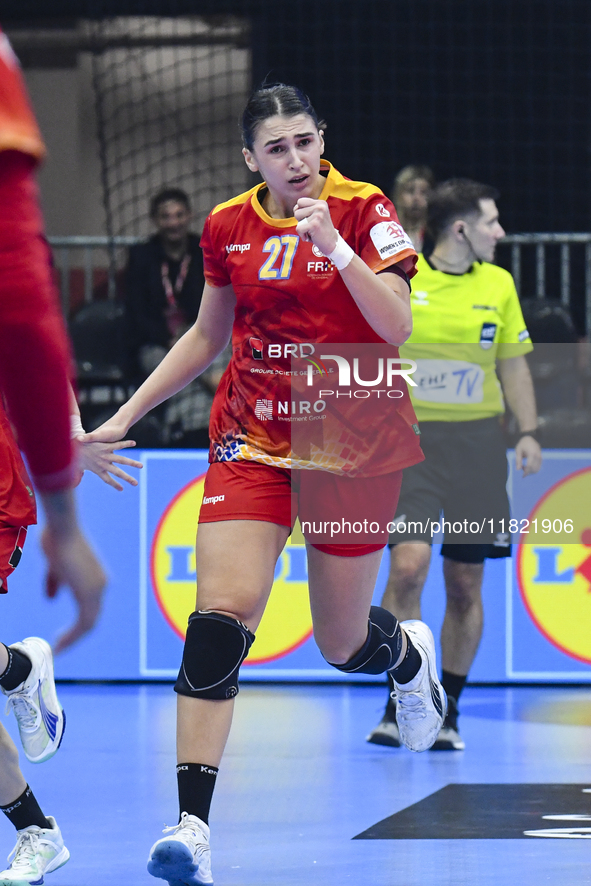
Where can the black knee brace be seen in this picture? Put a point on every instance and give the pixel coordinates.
(381, 649)
(215, 647)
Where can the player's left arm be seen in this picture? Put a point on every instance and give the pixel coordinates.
(101, 458)
(519, 393)
(383, 299)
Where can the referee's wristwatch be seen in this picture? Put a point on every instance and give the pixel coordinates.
(535, 433)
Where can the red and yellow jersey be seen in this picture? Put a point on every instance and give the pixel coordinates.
(17, 501)
(18, 129)
(290, 301)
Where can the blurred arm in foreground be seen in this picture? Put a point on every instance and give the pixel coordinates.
(34, 353)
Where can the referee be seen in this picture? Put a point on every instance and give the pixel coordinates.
(468, 335)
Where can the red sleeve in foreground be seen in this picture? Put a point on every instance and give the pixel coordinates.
(34, 353)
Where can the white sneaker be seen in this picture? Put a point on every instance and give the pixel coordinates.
(421, 705)
(41, 720)
(183, 858)
(38, 851)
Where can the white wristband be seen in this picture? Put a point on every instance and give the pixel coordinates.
(76, 428)
(341, 254)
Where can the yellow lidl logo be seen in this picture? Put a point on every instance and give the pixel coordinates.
(554, 573)
(287, 622)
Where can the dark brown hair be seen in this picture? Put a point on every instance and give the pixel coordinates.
(453, 199)
(269, 101)
(176, 194)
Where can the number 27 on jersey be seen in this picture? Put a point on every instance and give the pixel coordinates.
(281, 251)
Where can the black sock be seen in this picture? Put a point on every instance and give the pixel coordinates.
(196, 783)
(25, 811)
(410, 665)
(453, 683)
(17, 669)
(381, 648)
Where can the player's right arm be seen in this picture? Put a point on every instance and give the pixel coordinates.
(189, 357)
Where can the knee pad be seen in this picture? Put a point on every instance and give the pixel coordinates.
(215, 647)
(381, 649)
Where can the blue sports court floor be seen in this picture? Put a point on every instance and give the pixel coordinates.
(299, 784)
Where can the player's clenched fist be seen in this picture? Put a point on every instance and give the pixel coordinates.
(315, 224)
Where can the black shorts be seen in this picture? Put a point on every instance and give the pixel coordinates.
(464, 476)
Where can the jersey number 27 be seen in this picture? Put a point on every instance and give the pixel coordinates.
(277, 266)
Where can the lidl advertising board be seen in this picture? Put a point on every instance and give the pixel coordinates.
(537, 605)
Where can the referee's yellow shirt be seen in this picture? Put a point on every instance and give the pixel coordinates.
(462, 324)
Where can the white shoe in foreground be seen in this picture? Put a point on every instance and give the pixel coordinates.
(421, 705)
(183, 858)
(41, 720)
(38, 851)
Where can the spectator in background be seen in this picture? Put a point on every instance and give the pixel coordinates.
(164, 284)
(409, 195)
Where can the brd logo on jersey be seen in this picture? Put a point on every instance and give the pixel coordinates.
(555, 574)
(276, 350)
(287, 622)
(257, 347)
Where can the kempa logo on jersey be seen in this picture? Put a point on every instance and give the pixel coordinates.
(237, 247)
(213, 499)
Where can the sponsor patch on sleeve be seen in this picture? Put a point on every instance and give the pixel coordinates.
(487, 335)
(523, 336)
(390, 238)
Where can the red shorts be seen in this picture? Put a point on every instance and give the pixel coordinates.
(344, 516)
(12, 541)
